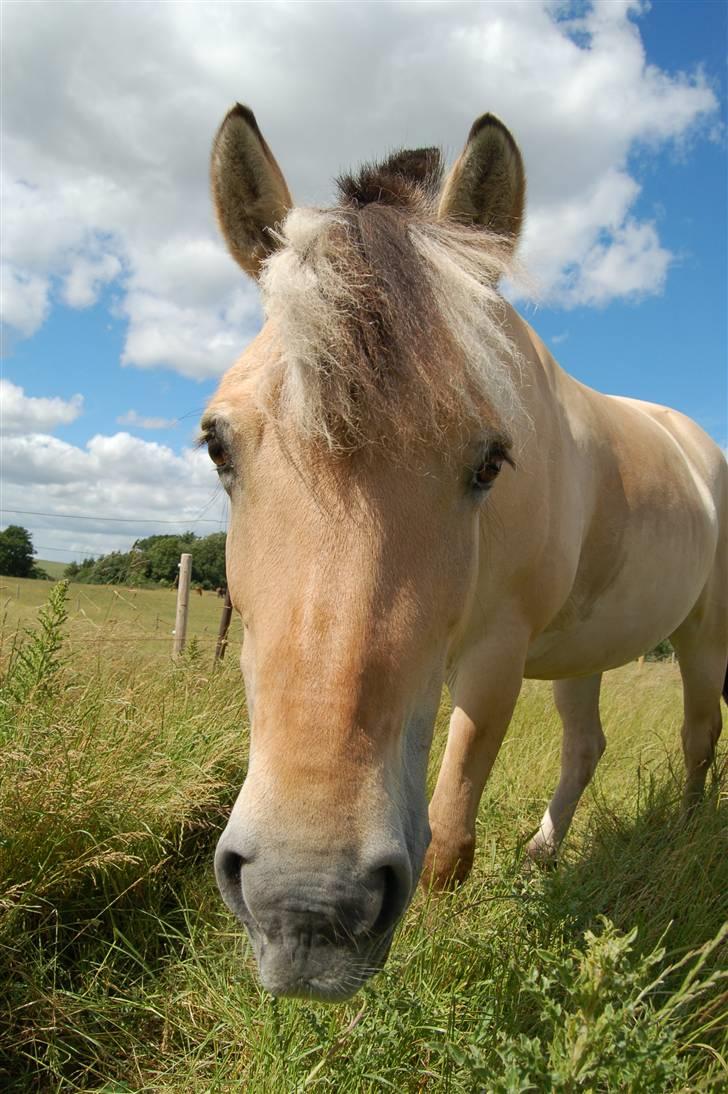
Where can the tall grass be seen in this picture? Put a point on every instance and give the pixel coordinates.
(120, 969)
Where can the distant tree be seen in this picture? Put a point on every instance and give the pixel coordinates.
(208, 561)
(112, 569)
(138, 571)
(80, 571)
(16, 552)
(162, 555)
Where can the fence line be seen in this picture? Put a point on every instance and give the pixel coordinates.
(107, 630)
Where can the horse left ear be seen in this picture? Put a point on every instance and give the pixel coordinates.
(487, 185)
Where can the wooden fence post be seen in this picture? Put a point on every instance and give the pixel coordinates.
(183, 600)
(225, 618)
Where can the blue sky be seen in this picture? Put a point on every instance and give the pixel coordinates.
(671, 347)
(117, 289)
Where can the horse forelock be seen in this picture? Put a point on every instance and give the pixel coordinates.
(390, 326)
(410, 178)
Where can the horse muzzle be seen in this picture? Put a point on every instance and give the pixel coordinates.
(319, 928)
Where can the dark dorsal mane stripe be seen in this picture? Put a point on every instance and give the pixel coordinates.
(401, 179)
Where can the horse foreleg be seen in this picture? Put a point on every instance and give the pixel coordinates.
(484, 694)
(577, 702)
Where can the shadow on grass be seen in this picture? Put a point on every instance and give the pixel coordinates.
(648, 865)
(68, 961)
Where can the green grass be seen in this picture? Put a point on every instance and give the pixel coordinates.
(121, 970)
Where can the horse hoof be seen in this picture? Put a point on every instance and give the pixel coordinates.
(539, 860)
(442, 873)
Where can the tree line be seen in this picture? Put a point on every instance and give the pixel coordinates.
(151, 561)
(155, 561)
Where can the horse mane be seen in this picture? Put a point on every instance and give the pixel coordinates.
(389, 320)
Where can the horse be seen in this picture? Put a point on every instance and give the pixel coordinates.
(419, 495)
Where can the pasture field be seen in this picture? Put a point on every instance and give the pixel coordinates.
(121, 970)
(112, 619)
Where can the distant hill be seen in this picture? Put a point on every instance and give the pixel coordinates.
(53, 569)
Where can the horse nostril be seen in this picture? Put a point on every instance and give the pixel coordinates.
(230, 865)
(228, 870)
(395, 897)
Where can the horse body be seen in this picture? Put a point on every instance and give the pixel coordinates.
(419, 493)
(623, 542)
(632, 505)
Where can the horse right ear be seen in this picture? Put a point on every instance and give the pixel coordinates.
(248, 189)
(487, 185)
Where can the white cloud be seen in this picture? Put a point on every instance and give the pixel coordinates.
(560, 234)
(630, 262)
(23, 414)
(131, 417)
(143, 485)
(108, 117)
(23, 299)
(86, 277)
(195, 341)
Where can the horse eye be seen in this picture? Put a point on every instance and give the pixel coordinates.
(216, 451)
(485, 475)
(487, 471)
